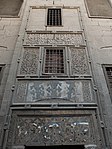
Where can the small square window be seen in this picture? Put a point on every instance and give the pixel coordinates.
(54, 61)
(54, 17)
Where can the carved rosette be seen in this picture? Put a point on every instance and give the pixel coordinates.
(54, 91)
(52, 128)
(29, 64)
(79, 62)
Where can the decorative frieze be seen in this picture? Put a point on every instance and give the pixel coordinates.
(52, 128)
(54, 91)
(54, 39)
(79, 62)
(29, 63)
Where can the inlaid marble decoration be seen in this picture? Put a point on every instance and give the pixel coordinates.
(58, 127)
(54, 91)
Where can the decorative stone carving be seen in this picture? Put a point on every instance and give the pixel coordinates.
(79, 62)
(22, 91)
(55, 128)
(87, 91)
(54, 39)
(54, 91)
(29, 64)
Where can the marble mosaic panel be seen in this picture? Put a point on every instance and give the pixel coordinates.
(53, 91)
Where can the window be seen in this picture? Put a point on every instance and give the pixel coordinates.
(54, 17)
(54, 61)
(10, 7)
(99, 8)
(108, 75)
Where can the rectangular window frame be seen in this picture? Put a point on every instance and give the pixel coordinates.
(9, 15)
(102, 16)
(61, 24)
(64, 60)
(106, 77)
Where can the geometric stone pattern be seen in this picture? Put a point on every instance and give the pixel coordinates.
(58, 127)
(53, 91)
(53, 39)
(79, 62)
(30, 60)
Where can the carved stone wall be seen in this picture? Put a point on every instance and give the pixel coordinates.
(54, 91)
(53, 39)
(79, 62)
(49, 127)
(29, 62)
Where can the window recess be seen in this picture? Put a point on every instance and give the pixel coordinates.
(54, 17)
(54, 61)
(99, 8)
(108, 76)
(10, 8)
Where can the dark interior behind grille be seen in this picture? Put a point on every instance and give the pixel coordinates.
(54, 61)
(54, 17)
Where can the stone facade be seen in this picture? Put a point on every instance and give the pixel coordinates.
(48, 109)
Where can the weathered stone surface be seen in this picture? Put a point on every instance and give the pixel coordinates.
(98, 36)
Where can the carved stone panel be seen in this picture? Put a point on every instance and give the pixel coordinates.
(60, 127)
(53, 39)
(79, 62)
(54, 91)
(29, 63)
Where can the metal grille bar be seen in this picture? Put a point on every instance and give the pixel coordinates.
(54, 17)
(54, 61)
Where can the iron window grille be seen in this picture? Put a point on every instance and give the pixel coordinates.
(54, 61)
(54, 17)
